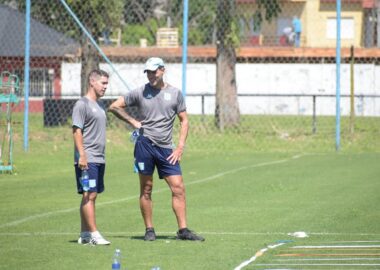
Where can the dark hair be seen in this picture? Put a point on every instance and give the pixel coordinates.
(97, 73)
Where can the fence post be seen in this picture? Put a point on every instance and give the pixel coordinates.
(337, 113)
(26, 75)
(314, 114)
(352, 92)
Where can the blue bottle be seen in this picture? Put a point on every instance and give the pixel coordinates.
(85, 180)
(116, 264)
(135, 134)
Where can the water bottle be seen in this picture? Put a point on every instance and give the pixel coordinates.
(134, 135)
(85, 180)
(156, 268)
(116, 260)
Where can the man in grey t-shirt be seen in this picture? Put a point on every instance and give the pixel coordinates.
(89, 132)
(158, 103)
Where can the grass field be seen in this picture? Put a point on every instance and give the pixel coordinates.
(241, 201)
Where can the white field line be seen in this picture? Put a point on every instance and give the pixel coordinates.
(129, 233)
(343, 247)
(258, 254)
(358, 241)
(215, 176)
(344, 233)
(321, 259)
(319, 264)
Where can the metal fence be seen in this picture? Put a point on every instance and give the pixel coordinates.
(245, 61)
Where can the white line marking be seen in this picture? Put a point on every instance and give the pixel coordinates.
(334, 233)
(258, 254)
(243, 234)
(319, 264)
(320, 259)
(361, 241)
(47, 214)
(322, 247)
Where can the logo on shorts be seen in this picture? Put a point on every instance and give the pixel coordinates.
(141, 166)
(92, 183)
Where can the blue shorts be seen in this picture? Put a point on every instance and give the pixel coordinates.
(96, 173)
(148, 156)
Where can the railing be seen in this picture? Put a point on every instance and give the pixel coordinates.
(312, 96)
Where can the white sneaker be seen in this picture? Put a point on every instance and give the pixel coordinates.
(84, 238)
(96, 239)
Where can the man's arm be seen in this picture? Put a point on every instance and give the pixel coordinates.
(78, 140)
(118, 109)
(177, 153)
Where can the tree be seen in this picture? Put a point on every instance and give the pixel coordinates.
(227, 113)
(144, 17)
(226, 105)
(96, 15)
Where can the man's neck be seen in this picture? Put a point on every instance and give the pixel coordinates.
(91, 95)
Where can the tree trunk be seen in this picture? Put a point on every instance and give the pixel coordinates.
(89, 60)
(227, 113)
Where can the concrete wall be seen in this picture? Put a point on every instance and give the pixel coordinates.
(264, 79)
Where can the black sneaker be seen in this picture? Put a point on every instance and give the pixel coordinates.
(150, 235)
(186, 234)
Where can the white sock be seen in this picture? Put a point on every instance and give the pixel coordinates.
(95, 234)
(84, 234)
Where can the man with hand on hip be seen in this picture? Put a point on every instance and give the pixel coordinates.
(158, 103)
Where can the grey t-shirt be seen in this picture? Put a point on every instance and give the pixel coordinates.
(158, 109)
(90, 117)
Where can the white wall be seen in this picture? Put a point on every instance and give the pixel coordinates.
(305, 79)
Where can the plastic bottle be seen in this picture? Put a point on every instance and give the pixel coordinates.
(134, 135)
(85, 180)
(116, 264)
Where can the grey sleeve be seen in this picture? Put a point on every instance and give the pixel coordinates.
(132, 98)
(181, 105)
(79, 114)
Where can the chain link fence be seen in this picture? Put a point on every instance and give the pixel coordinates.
(260, 75)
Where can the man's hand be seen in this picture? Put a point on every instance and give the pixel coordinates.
(82, 162)
(176, 155)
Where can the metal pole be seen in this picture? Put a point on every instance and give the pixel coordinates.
(184, 45)
(337, 115)
(352, 92)
(26, 74)
(85, 31)
(314, 114)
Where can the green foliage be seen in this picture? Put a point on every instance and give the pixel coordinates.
(132, 33)
(233, 37)
(270, 8)
(95, 15)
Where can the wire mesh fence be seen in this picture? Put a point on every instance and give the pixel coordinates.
(261, 75)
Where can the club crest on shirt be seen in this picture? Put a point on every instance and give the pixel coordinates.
(167, 96)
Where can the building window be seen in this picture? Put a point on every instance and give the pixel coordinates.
(40, 82)
(347, 30)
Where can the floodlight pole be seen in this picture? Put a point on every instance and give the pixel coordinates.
(337, 114)
(184, 45)
(26, 75)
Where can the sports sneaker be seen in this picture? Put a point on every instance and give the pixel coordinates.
(150, 235)
(96, 239)
(84, 238)
(186, 234)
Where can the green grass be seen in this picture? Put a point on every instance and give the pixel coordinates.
(239, 198)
